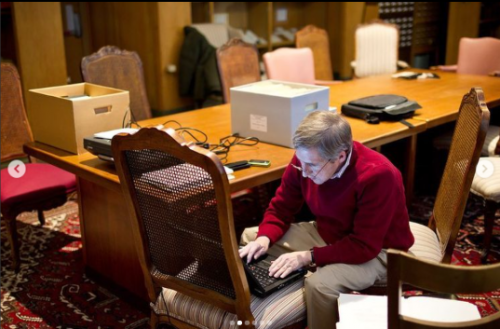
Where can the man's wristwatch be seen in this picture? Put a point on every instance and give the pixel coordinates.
(313, 261)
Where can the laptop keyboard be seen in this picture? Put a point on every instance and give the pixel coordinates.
(262, 275)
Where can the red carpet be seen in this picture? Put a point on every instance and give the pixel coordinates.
(52, 291)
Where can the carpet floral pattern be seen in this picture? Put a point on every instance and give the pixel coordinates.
(52, 290)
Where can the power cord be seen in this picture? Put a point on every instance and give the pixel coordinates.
(200, 138)
(168, 325)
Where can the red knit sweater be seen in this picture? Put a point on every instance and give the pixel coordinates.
(357, 215)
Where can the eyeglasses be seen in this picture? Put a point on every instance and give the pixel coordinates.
(313, 177)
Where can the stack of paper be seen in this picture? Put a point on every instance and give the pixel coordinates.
(362, 311)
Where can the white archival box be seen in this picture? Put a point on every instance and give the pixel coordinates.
(272, 110)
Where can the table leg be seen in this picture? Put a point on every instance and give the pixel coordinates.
(409, 175)
(108, 245)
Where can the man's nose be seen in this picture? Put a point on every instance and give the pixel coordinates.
(306, 170)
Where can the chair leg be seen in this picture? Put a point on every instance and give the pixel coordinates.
(490, 208)
(12, 236)
(153, 321)
(41, 217)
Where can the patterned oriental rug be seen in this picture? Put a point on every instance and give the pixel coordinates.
(52, 290)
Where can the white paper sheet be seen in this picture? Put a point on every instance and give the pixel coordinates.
(362, 311)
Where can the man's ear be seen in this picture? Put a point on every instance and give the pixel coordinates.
(342, 156)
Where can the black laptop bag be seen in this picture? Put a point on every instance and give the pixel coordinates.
(374, 109)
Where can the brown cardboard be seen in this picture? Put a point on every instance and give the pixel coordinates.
(61, 119)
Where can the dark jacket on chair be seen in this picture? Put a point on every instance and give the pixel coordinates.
(198, 74)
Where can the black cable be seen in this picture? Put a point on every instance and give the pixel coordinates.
(223, 318)
(174, 121)
(133, 121)
(170, 324)
(222, 149)
(124, 117)
(188, 130)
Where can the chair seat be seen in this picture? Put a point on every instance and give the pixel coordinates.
(488, 188)
(426, 244)
(443, 141)
(282, 308)
(41, 181)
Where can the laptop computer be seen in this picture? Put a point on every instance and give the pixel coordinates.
(261, 284)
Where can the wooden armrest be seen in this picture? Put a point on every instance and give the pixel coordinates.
(445, 68)
(403, 64)
(327, 82)
(494, 74)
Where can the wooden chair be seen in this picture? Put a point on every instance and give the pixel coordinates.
(119, 69)
(437, 241)
(293, 65)
(480, 56)
(377, 45)
(440, 278)
(487, 188)
(238, 64)
(178, 195)
(316, 39)
(43, 186)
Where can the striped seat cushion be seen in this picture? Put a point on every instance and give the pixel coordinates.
(284, 307)
(426, 244)
(488, 187)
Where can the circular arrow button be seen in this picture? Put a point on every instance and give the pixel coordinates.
(17, 169)
(484, 168)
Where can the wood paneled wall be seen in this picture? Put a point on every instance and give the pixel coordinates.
(463, 21)
(39, 45)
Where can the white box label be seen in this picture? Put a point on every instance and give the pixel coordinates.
(258, 122)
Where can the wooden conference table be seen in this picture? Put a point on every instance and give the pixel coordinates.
(108, 248)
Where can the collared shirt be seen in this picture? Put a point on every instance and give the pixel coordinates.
(339, 173)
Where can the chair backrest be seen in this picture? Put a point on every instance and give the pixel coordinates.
(178, 195)
(436, 277)
(478, 56)
(465, 149)
(119, 69)
(316, 39)
(376, 49)
(15, 126)
(290, 64)
(238, 64)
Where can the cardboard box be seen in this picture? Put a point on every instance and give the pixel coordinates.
(272, 110)
(62, 116)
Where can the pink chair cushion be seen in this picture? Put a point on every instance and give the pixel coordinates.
(478, 56)
(290, 64)
(41, 181)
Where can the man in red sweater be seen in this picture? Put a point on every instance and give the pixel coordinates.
(358, 199)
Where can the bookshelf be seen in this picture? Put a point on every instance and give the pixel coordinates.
(263, 18)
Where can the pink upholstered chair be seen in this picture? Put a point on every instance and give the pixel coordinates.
(477, 56)
(43, 186)
(293, 65)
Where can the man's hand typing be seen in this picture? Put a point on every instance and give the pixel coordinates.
(255, 249)
(287, 263)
